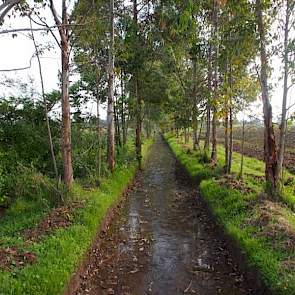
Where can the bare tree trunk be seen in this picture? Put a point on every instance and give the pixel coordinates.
(194, 109)
(187, 135)
(226, 139)
(230, 147)
(110, 110)
(226, 126)
(270, 151)
(200, 130)
(66, 146)
(283, 125)
(230, 155)
(66, 117)
(45, 108)
(124, 135)
(215, 84)
(117, 124)
(138, 99)
(242, 153)
(208, 111)
(98, 137)
(138, 125)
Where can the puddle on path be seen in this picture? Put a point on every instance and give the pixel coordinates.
(164, 242)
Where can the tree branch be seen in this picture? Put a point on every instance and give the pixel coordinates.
(20, 69)
(6, 7)
(26, 30)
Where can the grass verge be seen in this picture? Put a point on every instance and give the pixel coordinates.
(264, 230)
(59, 253)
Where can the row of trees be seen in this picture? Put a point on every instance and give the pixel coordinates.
(225, 61)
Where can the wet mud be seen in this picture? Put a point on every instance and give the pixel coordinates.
(164, 241)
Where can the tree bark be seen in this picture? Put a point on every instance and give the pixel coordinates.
(110, 109)
(230, 147)
(195, 108)
(270, 151)
(138, 98)
(66, 117)
(226, 139)
(124, 135)
(230, 155)
(138, 126)
(283, 125)
(117, 124)
(242, 153)
(200, 129)
(98, 165)
(208, 111)
(215, 84)
(66, 146)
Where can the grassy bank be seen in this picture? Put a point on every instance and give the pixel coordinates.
(264, 230)
(57, 254)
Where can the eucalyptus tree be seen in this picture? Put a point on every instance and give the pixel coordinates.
(64, 32)
(270, 148)
(91, 54)
(139, 49)
(285, 50)
(110, 108)
(238, 50)
(215, 33)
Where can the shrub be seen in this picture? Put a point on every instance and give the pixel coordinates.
(30, 184)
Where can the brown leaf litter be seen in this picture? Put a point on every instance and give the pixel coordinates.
(13, 257)
(232, 183)
(276, 229)
(60, 217)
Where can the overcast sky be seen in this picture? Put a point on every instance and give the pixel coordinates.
(17, 52)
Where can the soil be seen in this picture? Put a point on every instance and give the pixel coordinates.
(164, 241)
(60, 217)
(254, 151)
(13, 257)
(2, 212)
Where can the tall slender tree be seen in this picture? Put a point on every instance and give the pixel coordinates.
(270, 149)
(215, 80)
(110, 110)
(289, 6)
(63, 28)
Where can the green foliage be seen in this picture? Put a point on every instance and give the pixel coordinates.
(28, 183)
(24, 135)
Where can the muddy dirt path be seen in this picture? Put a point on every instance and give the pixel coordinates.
(164, 242)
